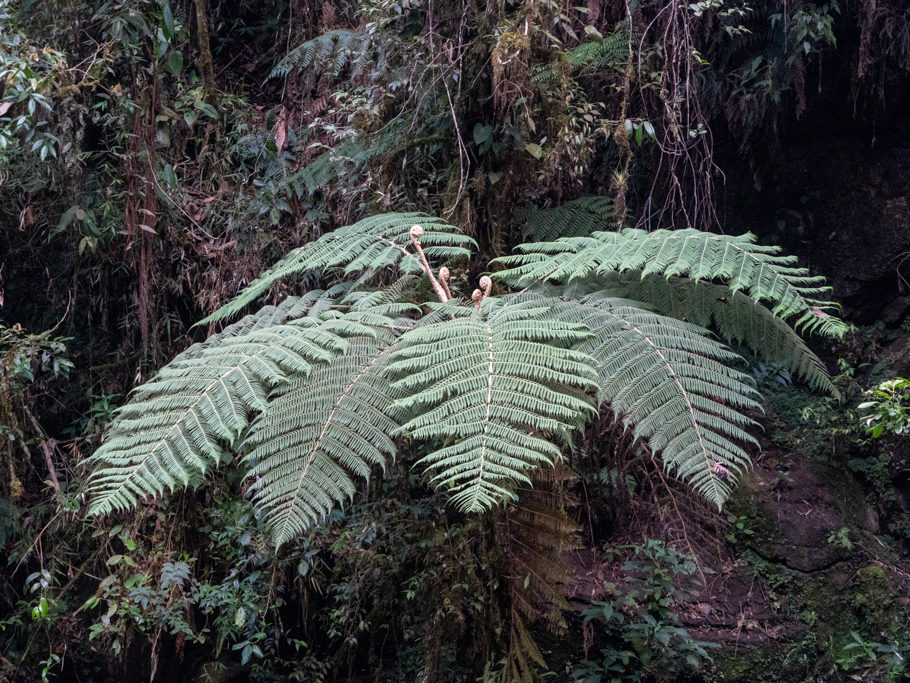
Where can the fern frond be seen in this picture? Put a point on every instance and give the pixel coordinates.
(577, 218)
(593, 55)
(534, 533)
(744, 266)
(672, 386)
(734, 315)
(321, 432)
(349, 156)
(334, 164)
(313, 304)
(364, 248)
(334, 49)
(493, 387)
(524, 655)
(585, 59)
(186, 420)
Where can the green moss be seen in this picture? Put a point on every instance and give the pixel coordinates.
(872, 599)
(768, 663)
(765, 531)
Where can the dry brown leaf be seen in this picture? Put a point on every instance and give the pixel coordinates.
(281, 129)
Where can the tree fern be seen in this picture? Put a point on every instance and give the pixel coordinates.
(757, 271)
(366, 247)
(312, 304)
(576, 218)
(491, 391)
(189, 417)
(493, 387)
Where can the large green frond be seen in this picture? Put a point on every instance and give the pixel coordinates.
(577, 218)
(313, 304)
(321, 432)
(744, 266)
(363, 248)
(674, 387)
(493, 387)
(181, 423)
(734, 315)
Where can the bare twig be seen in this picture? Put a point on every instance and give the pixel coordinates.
(47, 448)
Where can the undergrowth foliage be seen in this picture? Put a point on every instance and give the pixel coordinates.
(315, 392)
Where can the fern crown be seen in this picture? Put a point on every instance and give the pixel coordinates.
(314, 394)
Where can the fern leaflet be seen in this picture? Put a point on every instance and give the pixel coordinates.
(364, 248)
(493, 387)
(184, 421)
(757, 271)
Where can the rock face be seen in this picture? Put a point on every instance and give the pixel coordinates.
(840, 199)
(807, 511)
(860, 227)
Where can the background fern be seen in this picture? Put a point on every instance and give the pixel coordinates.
(586, 59)
(577, 218)
(350, 156)
(331, 51)
(593, 55)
